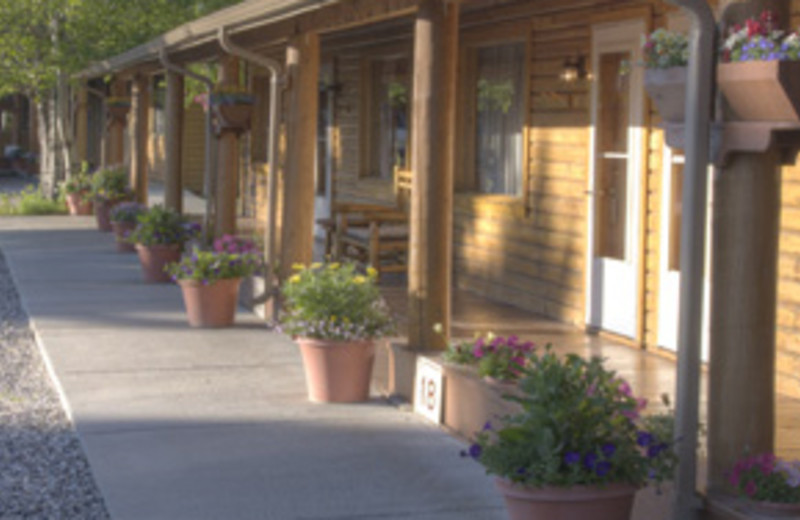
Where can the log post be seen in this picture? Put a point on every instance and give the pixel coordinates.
(139, 130)
(173, 186)
(297, 231)
(746, 220)
(228, 159)
(433, 139)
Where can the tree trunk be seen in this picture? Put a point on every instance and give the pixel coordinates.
(47, 170)
(63, 127)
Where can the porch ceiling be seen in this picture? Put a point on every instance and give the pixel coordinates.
(197, 40)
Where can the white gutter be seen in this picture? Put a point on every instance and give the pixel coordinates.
(699, 90)
(210, 172)
(277, 83)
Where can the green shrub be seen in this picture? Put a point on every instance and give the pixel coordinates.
(31, 201)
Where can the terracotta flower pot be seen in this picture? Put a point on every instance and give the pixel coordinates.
(212, 305)
(773, 509)
(667, 90)
(121, 232)
(762, 90)
(612, 502)
(102, 210)
(337, 371)
(79, 204)
(155, 258)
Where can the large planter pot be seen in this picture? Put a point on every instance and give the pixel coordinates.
(762, 90)
(155, 258)
(79, 203)
(121, 232)
(613, 502)
(667, 90)
(102, 210)
(212, 305)
(773, 509)
(337, 371)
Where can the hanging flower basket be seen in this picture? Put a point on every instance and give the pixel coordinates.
(667, 90)
(232, 110)
(118, 108)
(762, 90)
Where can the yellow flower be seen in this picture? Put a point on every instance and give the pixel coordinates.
(372, 272)
(334, 266)
(298, 267)
(358, 280)
(294, 279)
(333, 318)
(316, 265)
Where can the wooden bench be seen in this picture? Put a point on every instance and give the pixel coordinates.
(372, 234)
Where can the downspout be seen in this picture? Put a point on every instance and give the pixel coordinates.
(277, 83)
(210, 173)
(699, 90)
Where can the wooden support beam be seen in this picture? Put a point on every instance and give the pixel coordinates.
(173, 186)
(433, 140)
(139, 130)
(228, 159)
(302, 67)
(744, 269)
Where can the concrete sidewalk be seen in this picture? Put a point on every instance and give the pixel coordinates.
(199, 424)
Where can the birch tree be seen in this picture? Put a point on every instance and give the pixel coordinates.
(45, 42)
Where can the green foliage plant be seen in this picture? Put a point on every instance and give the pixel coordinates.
(664, 49)
(79, 182)
(207, 267)
(334, 302)
(766, 478)
(31, 201)
(580, 425)
(496, 357)
(127, 212)
(162, 226)
(111, 184)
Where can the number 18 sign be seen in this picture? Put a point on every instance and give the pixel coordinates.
(428, 390)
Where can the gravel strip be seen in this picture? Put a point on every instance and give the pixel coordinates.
(44, 473)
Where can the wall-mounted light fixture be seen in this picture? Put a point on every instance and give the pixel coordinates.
(574, 70)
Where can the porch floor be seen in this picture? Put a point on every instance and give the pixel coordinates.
(650, 373)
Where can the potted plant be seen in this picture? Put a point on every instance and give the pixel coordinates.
(209, 281)
(159, 237)
(760, 71)
(233, 108)
(498, 359)
(109, 187)
(335, 314)
(78, 193)
(579, 448)
(124, 217)
(768, 485)
(665, 55)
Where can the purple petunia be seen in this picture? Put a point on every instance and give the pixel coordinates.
(572, 457)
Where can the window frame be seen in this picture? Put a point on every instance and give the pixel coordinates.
(466, 174)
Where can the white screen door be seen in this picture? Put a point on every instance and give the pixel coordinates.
(614, 204)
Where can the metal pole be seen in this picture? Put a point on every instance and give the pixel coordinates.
(277, 82)
(210, 173)
(699, 91)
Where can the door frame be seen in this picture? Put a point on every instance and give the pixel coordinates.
(622, 35)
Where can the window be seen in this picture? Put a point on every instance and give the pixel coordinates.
(499, 85)
(389, 93)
